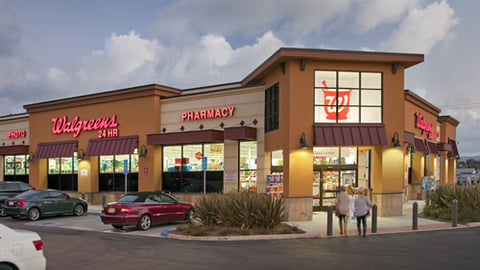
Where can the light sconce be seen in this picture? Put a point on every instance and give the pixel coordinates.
(80, 154)
(303, 142)
(396, 140)
(143, 151)
(30, 157)
(410, 148)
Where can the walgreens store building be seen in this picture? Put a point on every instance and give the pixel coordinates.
(302, 124)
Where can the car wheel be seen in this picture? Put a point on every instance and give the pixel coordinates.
(117, 226)
(78, 210)
(144, 223)
(189, 216)
(33, 214)
(6, 267)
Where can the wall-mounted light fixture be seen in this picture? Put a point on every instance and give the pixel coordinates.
(410, 148)
(30, 157)
(303, 142)
(142, 152)
(396, 140)
(80, 154)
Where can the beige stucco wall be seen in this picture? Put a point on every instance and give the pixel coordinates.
(249, 108)
(13, 123)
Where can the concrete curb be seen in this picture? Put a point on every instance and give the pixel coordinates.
(244, 237)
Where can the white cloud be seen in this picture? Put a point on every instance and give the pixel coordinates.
(290, 21)
(422, 29)
(370, 14)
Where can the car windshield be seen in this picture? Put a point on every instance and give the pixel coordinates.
(128, 198)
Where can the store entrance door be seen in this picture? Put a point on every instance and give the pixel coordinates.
(326, 184)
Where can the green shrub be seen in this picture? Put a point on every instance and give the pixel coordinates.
(245, 210)
(441, 200)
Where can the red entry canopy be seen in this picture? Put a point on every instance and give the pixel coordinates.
(112, 146)
(55, 149)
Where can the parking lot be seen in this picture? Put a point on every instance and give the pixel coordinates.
(88, 222)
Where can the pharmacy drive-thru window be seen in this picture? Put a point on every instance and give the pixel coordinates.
(300, 126)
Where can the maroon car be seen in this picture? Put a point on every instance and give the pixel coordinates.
(144, 209)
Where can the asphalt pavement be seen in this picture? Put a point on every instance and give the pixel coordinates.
(315, 228)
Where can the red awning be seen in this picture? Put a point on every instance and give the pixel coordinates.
(198, 136)
(349, 135)
(55, 149)
(240, 133)
(420, 145)
(14, 149)
(112, 146)
(432, 147)
(453, 143)
(408, 137)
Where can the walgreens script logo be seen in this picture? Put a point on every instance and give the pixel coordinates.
(330, 96)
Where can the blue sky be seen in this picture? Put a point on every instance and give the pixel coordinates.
(57, 48)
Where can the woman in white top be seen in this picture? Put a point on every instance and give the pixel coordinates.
(362, 209)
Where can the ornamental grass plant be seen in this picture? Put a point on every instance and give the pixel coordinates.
(441, 200)
(238, 213)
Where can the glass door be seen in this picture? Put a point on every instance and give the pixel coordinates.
(316, 190)
(326, 184)
(329, 187)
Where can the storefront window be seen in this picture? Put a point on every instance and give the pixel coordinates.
(183, 168)
(106, 164)
(62, 173)
(119, 159)
(112, 177)
(348, 155)
(248, 166)
(277, 158)
(348, 97)
(66, 165)
(172, 158)
(9, 165)
(192, 158)
(214, 152)
(16, 168)
(325, 155)
(134, 162)
(54, 165)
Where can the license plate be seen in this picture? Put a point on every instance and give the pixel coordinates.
(111, 210)
(11, 203)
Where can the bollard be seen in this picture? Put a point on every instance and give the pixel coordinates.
(83, 195)
(428, 198)
(374, 218)
(329, 220)
(454, 213)
(415, 216)
(104, 199)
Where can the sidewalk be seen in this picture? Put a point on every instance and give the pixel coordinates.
(318, 225)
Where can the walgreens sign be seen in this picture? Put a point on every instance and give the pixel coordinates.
(63, 125)
(425, 126)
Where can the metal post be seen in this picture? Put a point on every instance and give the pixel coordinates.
(329, 220)
(454, 213)
(104, 199)
(83, 195)
(415, 216)
(374, 218)
(428, 197)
